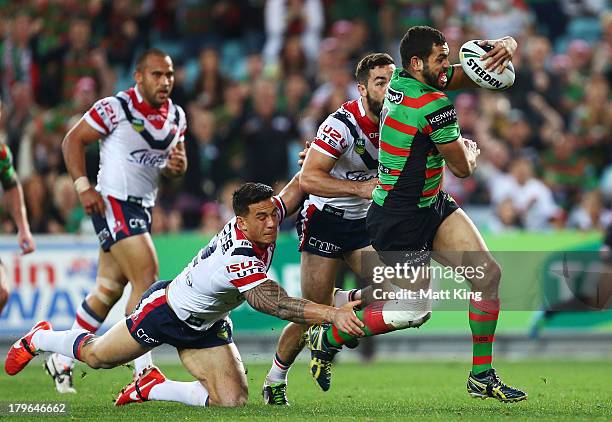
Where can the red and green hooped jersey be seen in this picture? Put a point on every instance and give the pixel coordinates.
(8, 177)
(414, 119)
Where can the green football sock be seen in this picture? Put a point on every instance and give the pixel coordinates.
(483, 321)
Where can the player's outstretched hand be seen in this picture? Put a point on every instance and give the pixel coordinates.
(26, 241)
(501, 53)
(302, 154)
(92, 201)
(345, 319)
(177, 161)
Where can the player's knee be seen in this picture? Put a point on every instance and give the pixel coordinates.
(495, 272)
(493, 275)
(94, 359)
(489, 279)
(237, 399)
(107, 291)
(146, 277)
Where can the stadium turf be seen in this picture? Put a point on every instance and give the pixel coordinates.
(378, 391)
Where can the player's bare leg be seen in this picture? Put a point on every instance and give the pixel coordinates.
(219, 372)
(4, 291)
(110, 283)
(362, 263)
(604, 289)
(459, 236)
(220, 380)
(137, 259)
(318, 275)
(381, 314)
(112, 349)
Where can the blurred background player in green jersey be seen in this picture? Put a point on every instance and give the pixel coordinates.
(13, 197)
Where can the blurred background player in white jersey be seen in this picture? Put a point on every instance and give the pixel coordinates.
(191, 312)
(141, 133)
(339, 173)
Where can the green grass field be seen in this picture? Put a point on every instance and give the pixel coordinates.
(377, 391)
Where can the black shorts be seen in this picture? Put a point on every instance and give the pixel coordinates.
(122, 219)
(606, 247)
(153, 322)
(608, 237)
(324, 234)
(412, 231)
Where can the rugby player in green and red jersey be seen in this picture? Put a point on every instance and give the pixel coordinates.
(410, 213)
(16, 205)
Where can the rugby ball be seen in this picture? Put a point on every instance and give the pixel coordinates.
(469, 57)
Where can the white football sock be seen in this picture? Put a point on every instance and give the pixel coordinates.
(65, 361)
(278, 371)
(190, 393)
(342, 297)
(143, 362)
(62, 342)
(86, 319)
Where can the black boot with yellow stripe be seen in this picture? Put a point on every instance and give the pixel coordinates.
(487, 384)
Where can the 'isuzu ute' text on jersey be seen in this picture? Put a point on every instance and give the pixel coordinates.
(136, 142)
(350, 137)
(211, 285)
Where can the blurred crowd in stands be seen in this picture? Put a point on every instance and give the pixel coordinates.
(257, 77)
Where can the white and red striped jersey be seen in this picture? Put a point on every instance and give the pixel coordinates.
(351, 137)
(136, 143)
(211, 285)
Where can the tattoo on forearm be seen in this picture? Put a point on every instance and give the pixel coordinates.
(270, 298)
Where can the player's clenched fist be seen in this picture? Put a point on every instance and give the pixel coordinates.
(177, 161)
(26, 241)
(92, 201)
(302, 154)
(345, 319)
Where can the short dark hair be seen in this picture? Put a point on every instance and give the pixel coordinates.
(249, 193)
(418, 41)
(369, 62)
(150, 52)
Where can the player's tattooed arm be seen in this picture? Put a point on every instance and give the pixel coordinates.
(270, 298)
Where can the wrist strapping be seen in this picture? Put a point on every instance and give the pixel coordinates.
(81, 184)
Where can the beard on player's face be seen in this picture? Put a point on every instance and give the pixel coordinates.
(374, 105)
(155, 94)
(431, 77)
